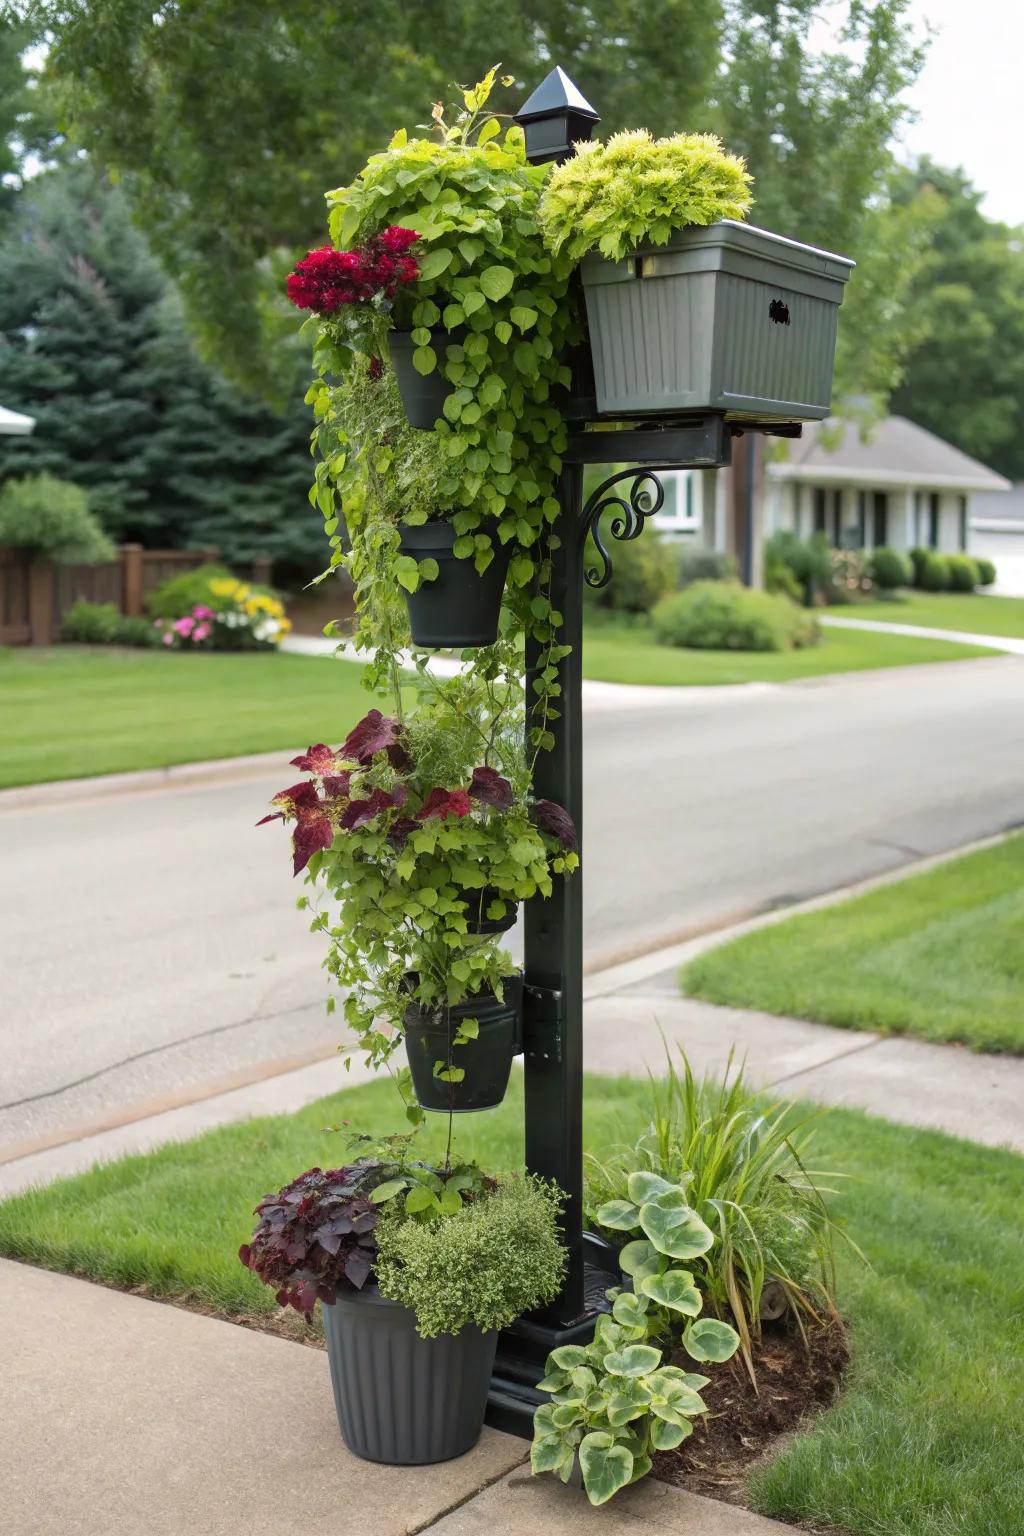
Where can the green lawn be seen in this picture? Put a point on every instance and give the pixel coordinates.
(973, 613)
(73, 712)
(938, 955)
(617, 653)
(925, 1440)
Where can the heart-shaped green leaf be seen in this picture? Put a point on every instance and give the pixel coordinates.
(630, 1310)
(674, 1289)
(644, 1187)
(635, 1254)
(665, 1436)
(554, 1381)
(709, 1339)
(678, 1233)
(546, 1454)
(619, 1215)
(568, 1356)
(606, 1467)
(496, 281)
(634, 1360)
(620, 1409)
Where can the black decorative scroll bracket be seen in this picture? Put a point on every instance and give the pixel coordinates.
(646, 496)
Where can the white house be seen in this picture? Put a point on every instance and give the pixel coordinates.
(997, 532)
(13, 424)
(899, 486)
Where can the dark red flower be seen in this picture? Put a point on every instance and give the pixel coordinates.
(396, 240)
(490, 788)
(376, 368)
(376, 733)
(320, 760)
(445, 802)
(553, 819)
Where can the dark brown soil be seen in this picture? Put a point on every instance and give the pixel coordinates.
(794, 1380)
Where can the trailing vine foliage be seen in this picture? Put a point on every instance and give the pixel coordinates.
(423, 828)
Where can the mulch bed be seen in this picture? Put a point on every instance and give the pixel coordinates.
(794, 1379)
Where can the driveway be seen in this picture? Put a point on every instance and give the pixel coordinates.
(150, 950)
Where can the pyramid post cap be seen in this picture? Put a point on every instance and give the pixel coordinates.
(556, 94)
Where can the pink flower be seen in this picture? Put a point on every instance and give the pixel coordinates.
(200, 632)
(200, 611)
(184, 626)
(168, 639)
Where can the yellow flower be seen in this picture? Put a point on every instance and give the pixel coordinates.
(226, 586)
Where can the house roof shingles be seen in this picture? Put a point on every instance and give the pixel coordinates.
(896, 452)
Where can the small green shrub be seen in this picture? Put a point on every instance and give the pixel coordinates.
(889, 569)
(918, 559)
(934, 573)
(797, 568)
(91, 624)
(137, 631)
(103, 624)
(986, 571)
(610, 196)
(52, 517)
(645, 570)
(491, 1260)
(963, 573)
(704, 565)
(180, 594)
(723, 616)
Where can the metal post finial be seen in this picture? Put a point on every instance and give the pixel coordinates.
(555, 117)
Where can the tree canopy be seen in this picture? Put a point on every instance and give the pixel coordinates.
(229, 121)
(964, 372)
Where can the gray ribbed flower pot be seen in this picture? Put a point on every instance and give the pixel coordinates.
(404, 1400)
(723, 318)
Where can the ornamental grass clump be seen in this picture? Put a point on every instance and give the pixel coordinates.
(496, 1257)
(635, 189)
(743, 1162)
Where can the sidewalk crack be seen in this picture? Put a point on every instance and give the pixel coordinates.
(416, 1530)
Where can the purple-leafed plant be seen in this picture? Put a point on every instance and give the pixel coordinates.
(315, 1237)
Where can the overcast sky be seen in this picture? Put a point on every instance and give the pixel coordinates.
(969, 98)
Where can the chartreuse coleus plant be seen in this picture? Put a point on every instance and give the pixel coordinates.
(490, 310)
(611, 197)
(411, 832)
(614, 1403)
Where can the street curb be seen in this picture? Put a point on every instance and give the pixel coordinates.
(631, 973)
(178, 776)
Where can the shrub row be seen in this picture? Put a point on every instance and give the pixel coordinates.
(103, 624)
(933, 572)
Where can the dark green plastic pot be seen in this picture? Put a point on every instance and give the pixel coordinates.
(486, 1061)
(460, 607)
(477, 903)
(423, 394)
(400, 1399)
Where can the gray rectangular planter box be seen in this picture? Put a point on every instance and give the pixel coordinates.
(724, 317)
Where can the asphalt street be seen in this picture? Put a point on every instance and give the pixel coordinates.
(150, 947)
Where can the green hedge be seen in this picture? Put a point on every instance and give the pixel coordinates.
(103, 624)
(723, 616)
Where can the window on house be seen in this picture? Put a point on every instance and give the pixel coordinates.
(819, 509)
(879, 519)
(933, 520)
(963, 522)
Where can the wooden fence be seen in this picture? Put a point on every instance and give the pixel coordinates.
(35, 594)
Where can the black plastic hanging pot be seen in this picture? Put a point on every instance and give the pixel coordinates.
(477, 903)
(460, 606)
(403, 1400)
(423, 394)
(486, 1061)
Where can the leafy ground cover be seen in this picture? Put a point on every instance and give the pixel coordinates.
(937, 955)
(973, 613)
(924, 1440)
(621, 653)
(73, 712)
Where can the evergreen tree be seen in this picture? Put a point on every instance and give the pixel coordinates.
(93, 344)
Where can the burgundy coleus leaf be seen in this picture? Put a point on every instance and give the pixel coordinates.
(555, 820)
(314, 832)
(336, 785)
(445, 802)
(490, 788)
(320, 760)
(358, 812)
(357, 1267)
(376, 733)
(400, 830)
(292, 801)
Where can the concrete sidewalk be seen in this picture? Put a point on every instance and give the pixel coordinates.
(1008, 643)
(123, 1417)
